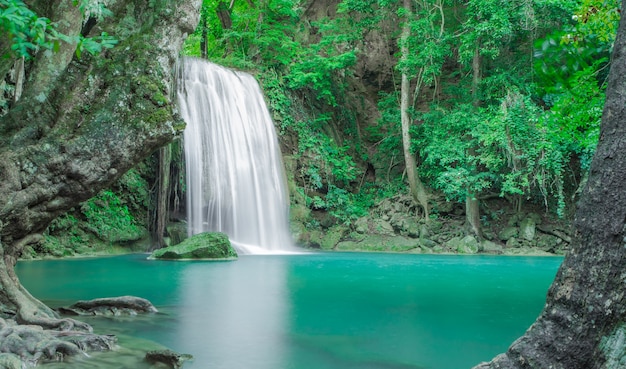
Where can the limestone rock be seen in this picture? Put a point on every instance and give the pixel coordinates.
(382, 227)
(491, 247)
(208, 246)
(527, 228)
(468, 245)
(362, 225)
(508, 233)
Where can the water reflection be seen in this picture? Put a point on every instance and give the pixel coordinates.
(233, 316)
(330, 311)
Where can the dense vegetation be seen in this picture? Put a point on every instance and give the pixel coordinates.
(503, 101)
(504, 97)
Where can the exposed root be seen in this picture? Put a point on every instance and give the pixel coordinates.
(33, 344)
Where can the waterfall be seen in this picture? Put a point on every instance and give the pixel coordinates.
(235, 177)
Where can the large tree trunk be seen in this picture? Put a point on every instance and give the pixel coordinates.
(583, 324)
(82, 123)
(418, 191)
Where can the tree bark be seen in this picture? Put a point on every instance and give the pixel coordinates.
(418, 191)
(163, 195)
(583, 324)
(81, 124)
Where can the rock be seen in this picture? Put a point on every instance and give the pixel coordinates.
(491, 247)
(362, 225)
(547, 242)
(468, 245)
(454, 243)
(411, 228)
(111, 306)
(425, 242)
(513, 243)
(378, 242)
(383, 228)
(527, 229)
(207, 246)
(170, 358)
(508, 233)
(332, 237)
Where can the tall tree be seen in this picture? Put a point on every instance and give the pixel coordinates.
(418, 191)
(583, 323)
(83, 122)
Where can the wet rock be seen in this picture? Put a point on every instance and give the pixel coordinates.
(111, 306)
(207, 246)
(170, 358)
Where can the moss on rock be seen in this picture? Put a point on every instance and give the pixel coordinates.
(207, 246)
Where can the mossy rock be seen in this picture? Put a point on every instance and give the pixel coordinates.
(205, 246)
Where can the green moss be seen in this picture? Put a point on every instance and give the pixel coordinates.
(208, 246)
(159, 116)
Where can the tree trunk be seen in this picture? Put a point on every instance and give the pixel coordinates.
(472, 215)
(204, 45)
(80, 125)
(583, 325)
(163, 195)
(418, 191)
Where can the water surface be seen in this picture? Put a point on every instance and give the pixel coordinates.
(318, 311)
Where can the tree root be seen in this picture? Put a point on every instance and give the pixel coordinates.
(33, 344)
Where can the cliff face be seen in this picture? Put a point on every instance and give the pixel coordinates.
(81, 123)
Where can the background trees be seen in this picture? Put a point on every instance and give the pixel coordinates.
(496, 98)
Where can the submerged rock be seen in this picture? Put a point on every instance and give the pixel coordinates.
(207, 246)
(112, 306)
(170, 358)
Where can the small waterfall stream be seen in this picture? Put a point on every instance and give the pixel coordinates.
(235, 176)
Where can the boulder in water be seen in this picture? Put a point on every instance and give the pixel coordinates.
(170, 358)
(206, 246)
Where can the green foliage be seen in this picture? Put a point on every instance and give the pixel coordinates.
(109, 218)
(450, 145)
(522, 150)
(28, 33)
(329, 163)
(585, 43)
(497, 121)
(575, 115)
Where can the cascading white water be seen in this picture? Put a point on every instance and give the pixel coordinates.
(235, 177)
